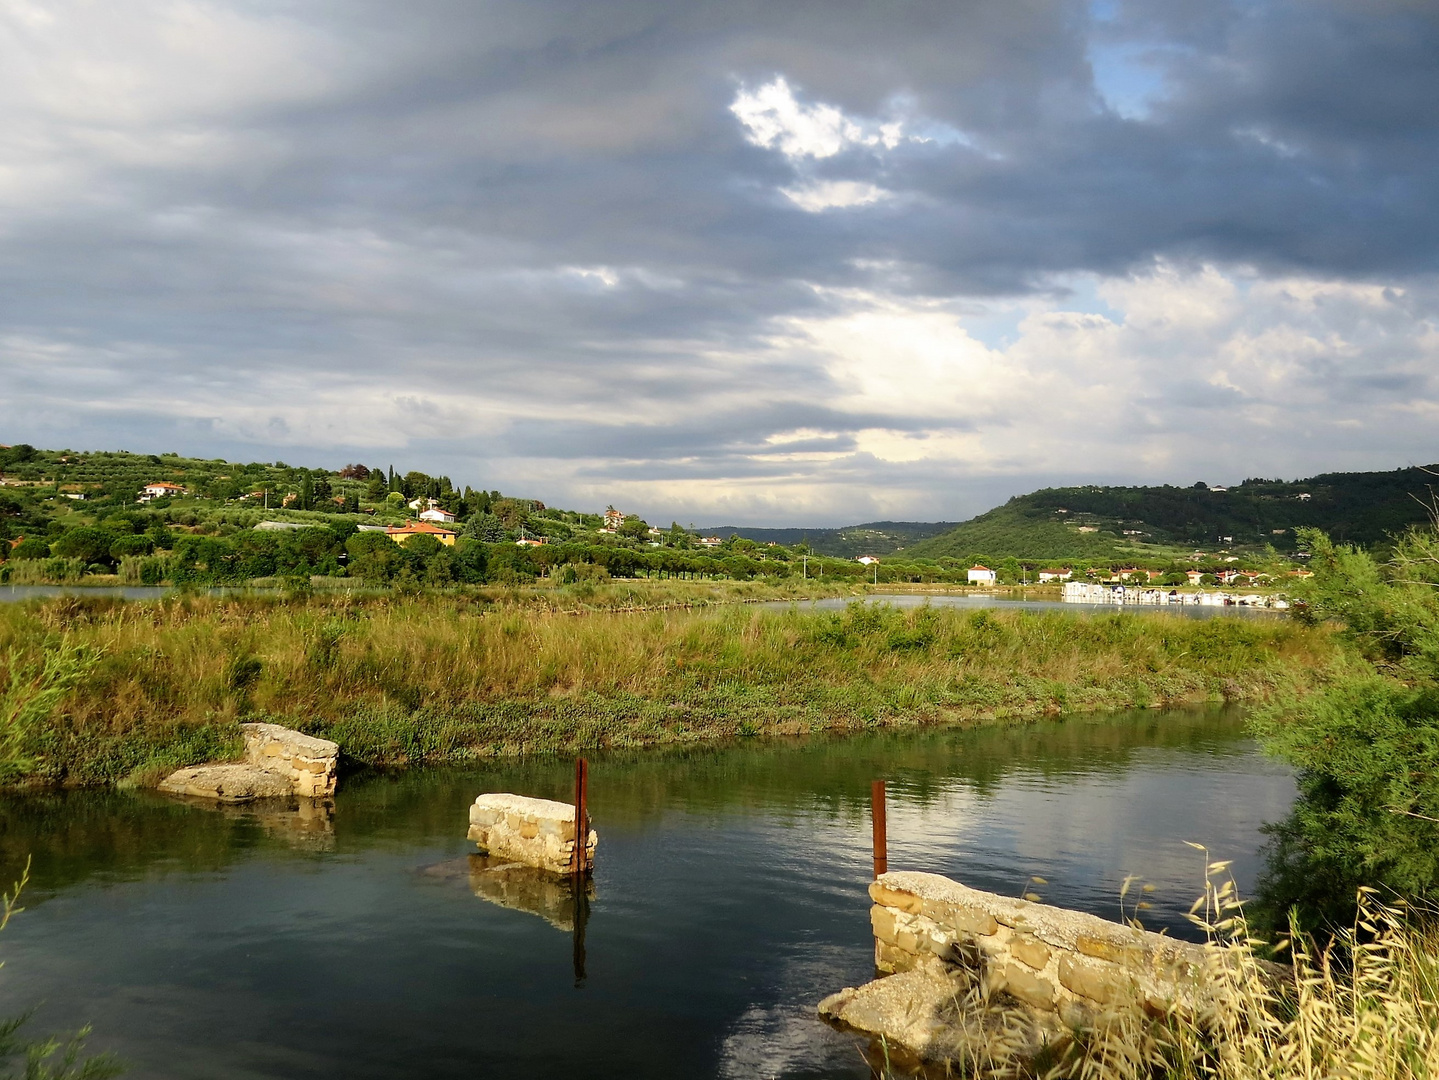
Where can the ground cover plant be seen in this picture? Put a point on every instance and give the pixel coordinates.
(398, 679)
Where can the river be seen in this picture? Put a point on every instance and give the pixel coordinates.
(14, 593)
(729, 897)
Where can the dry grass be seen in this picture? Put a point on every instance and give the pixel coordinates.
(399, 679)
(1365, 1006)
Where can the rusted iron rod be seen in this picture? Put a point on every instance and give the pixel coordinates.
(881, 838)
(579, 861)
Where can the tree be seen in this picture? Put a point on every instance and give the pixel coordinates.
(373, 556)
(31, 547)
(86, 543)
(634, 528)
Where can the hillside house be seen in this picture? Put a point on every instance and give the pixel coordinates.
(437, 514)
(710, 541)
(1194, 576)
(527, 541)
(981, 575)
(867, 560)
(613, 519)
(403, 534)
(1055, 575)
(161, 489)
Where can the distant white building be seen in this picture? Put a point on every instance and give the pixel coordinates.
(1055, 575)
(160, 490)
(710, 541)
(867, 560)
(435, 513)
(982, 575)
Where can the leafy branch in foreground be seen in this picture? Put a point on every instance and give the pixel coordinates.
(56, 1057)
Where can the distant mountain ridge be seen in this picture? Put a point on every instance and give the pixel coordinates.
(1101, 523)
(1098, 522)
(870, 538)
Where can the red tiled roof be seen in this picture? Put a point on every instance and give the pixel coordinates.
(419, 527)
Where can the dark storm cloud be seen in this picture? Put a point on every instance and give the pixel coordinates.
(544, 221)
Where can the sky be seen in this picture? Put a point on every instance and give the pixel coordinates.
(778, 263)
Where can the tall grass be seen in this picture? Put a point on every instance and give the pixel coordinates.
(398, 679)
(1362, 1006)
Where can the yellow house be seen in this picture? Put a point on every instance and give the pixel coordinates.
(421, 528)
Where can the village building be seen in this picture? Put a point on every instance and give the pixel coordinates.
(981, 575)
(403, 534)
(1194, 576)
(867, 560)
(438, 514)
(1055, 575)
(527, 541)
(161, 489)
(613, 519)
(710, 541)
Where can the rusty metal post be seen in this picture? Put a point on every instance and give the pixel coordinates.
(881, 839)
(579, 863)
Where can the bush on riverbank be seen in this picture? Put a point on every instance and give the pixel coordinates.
(1367, 747)
(434, 678)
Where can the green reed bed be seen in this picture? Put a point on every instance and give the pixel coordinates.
(150, 686)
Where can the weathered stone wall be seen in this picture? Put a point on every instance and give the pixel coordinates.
(278, 763)
(536, 832)
(309, 763)
(1066, 962)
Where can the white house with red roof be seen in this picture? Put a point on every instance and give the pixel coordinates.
(981, 575)
(161, 489)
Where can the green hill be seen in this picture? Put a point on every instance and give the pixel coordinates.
(1095, 523)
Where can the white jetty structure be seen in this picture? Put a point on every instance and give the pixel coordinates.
(1086, 592)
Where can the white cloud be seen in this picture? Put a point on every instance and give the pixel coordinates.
(775, 120)
(820, 195)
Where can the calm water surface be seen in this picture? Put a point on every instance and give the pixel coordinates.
(729, 897)
(979, 600)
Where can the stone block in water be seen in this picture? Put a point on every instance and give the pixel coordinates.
(536, 832)
(277, 762)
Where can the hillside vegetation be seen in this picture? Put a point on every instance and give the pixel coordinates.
(1098, 523)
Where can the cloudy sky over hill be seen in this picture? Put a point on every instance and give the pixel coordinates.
(768, 263)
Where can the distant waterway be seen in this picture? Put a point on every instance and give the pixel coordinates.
(729, 897)
(12, 593)
(981, 600)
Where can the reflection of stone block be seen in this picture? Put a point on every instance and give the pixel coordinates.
(524, 888)
(303, 824)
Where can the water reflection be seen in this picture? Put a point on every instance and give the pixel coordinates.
(301, 824)
(730, 897)
(553, 897)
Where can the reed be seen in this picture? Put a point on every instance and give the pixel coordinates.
(1364, 1005)
(433, 678)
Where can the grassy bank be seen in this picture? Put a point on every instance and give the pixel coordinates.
(435, 678)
